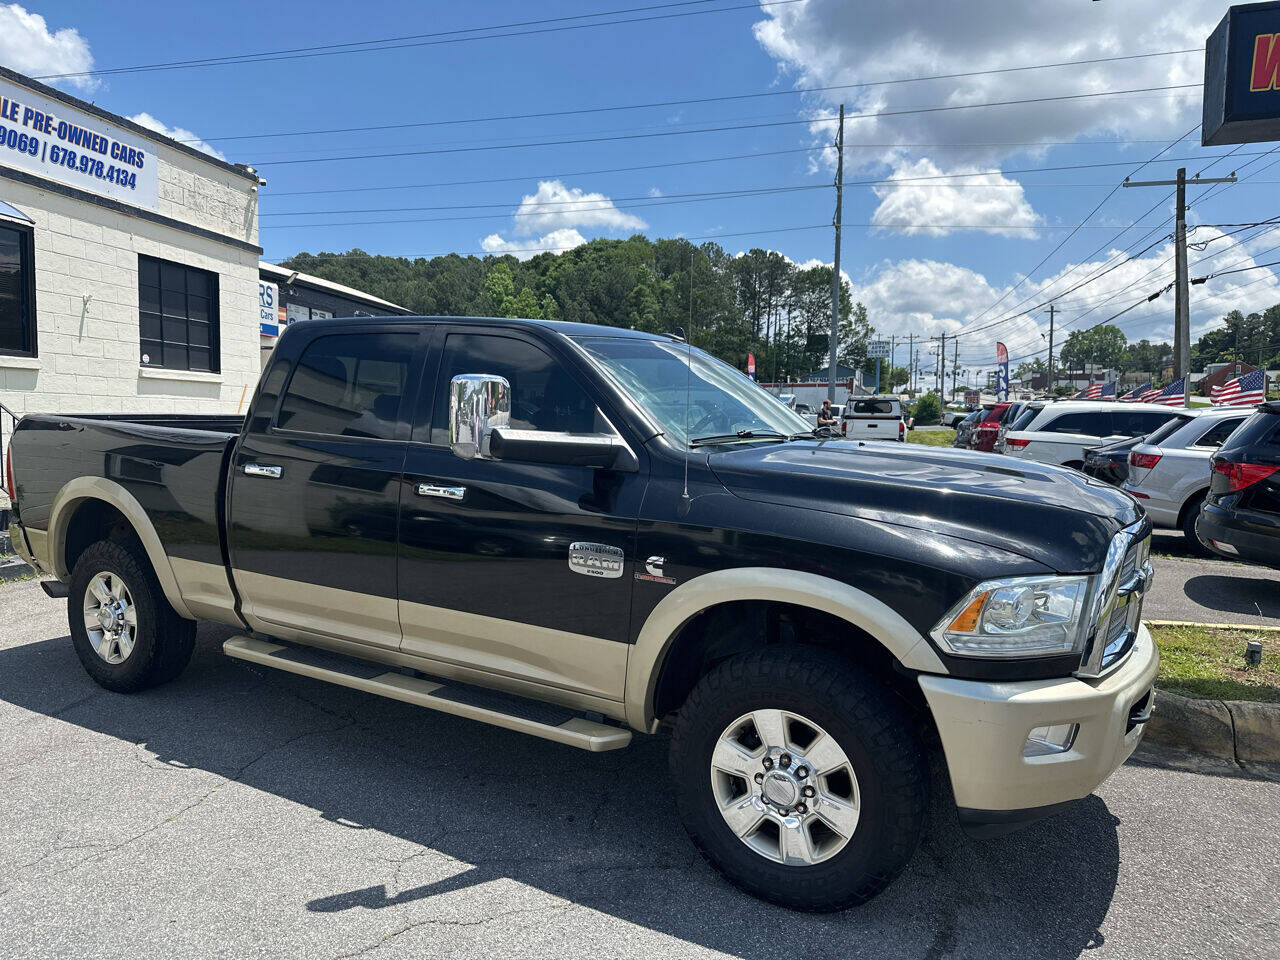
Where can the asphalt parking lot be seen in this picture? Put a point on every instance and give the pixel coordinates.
(239, 812)
(1194, 589)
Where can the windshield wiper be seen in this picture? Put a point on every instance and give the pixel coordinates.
(819, 433)
(740, 435)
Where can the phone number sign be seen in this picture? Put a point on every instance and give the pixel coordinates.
(54, 140)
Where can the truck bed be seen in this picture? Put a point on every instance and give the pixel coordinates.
(173, 465)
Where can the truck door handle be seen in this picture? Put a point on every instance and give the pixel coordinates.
(438, 490)
(260, 470)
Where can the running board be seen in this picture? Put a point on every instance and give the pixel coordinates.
(474, 703)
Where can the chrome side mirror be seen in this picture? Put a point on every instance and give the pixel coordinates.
(478, 402)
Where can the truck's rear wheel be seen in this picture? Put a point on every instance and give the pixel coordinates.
(125, 633)
(800, 779)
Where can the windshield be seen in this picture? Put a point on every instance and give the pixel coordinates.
(1163, 432)
(1024, 418)
(720, 401)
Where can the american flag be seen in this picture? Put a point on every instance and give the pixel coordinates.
(1242, 391)
(1170, 396)
(1097, 391)
(1138, 393)
(1148, 395)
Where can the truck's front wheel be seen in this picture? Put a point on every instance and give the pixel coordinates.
(800, 779)
(125, 633)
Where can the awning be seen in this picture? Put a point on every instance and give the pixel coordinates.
(13, 213)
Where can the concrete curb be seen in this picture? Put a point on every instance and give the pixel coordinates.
(1239, 730)
(1212, 626)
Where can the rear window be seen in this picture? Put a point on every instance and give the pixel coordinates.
(876, 407)
(1096, 424)
(1260, 430)
(349, 385)
(1024, 418)
(1168, 429)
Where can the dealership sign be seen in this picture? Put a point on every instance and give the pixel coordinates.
(55, 141)
(1242, 77)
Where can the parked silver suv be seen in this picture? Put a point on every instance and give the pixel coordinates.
(1169, 472)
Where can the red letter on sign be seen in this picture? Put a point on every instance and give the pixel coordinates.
(1266, 62)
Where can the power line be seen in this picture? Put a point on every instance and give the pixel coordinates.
(732, 157)
(422, 39)
(730, 128)
(694, 101)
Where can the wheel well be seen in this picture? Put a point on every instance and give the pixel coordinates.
(92, 521)
(1194, 500)
(728, 629)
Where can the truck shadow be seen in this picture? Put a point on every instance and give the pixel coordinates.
(597, 830)
(1227, 594)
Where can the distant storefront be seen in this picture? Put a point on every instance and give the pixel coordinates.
(286, 295)
(128, 264)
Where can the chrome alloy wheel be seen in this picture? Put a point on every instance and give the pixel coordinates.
(785, 787)
(110, 618)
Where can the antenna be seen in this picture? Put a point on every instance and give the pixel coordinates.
(685, 502)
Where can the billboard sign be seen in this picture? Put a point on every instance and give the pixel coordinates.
(1242, 77)
(54, 140)
(268, 312)
(877, 349)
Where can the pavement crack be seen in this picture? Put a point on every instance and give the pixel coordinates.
(388, 938)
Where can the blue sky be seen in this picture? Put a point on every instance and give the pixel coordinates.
(925, 259)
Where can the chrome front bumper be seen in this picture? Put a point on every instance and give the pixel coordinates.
(985, 725)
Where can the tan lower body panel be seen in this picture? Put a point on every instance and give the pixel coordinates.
(205, 588)
(574, 732)
(554, 658)
(272, 604)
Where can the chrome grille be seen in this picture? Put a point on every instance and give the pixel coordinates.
(1117, 609)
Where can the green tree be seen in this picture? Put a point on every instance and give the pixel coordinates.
(928, 409)
(1103, 345)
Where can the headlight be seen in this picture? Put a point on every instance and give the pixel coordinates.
(1018, 617)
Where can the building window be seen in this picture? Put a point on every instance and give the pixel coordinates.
(17, 292)
(178, 319)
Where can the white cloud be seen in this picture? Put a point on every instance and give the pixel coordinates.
(926, 207)
(555, 206)
(829, 42)
(930, 297)
(557, 241)
(181, 134)
(28, 46)
(655, 192)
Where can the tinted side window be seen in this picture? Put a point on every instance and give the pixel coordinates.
(1260, 430)
(543, 395)
(1138, 423)
(349, 385)
(1089, 424)
(1024, 418)
(1217, 436)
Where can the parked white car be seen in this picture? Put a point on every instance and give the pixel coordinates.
(1060, 432)
(1169, 472)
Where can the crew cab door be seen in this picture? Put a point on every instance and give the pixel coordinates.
(485, 576)
(315, 485)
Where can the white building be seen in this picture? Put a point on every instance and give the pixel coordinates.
(129, 277)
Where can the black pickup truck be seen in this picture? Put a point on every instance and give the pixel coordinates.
(578, 532)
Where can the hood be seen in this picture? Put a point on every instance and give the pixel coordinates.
(1052, 515)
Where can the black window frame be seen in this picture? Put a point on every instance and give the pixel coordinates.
(27, 267)
(214, 319)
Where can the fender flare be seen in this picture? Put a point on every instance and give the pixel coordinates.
(648, 653)
(81, 489)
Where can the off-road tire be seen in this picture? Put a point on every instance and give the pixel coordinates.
(876, 733)
(163, 640)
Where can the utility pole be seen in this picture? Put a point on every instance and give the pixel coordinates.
(942, 364)
(1052, 310)
(1182, 289)
(911, 363)
(955, 362)
(835, 266)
